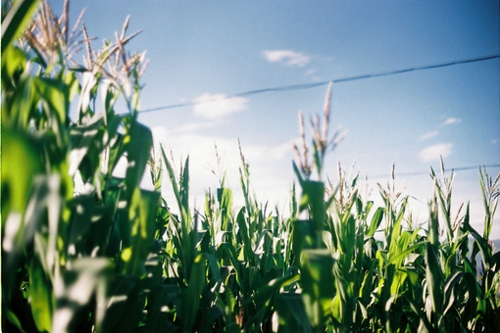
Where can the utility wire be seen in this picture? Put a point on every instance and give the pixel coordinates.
(322, 83)
(409, 174)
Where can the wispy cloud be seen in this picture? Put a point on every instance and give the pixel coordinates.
(450, 121)
(432, 153)
(287, 57)
(267, 163)
(213, 106)
(310, 72)
(428, 135)
(193, 127)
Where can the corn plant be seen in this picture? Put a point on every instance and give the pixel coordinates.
(85, 250)
(411, 279)
(75, 239)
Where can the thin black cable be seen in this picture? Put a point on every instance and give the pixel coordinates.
(241, 94)
(419, 173)
(322, 83)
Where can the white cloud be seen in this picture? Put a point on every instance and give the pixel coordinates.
(310, 72)
(428, 135)
(451, 121)
(288, 57)
(270, 171)
(432, 153)
(212, 106)
(494, 141)
(193, 127)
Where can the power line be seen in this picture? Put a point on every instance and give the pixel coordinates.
(419, 173)
(322, 83)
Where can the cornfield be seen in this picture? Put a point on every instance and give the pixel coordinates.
(86, 251)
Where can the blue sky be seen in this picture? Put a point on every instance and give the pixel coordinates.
(201, 50)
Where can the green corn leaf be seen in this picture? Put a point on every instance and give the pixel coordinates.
(86, 280)
(23, 104)
(365, 291)
(192, 294)
(115, 144)
(244, 236)
(270, 288)
(82, 138)
(142, 216)
(375, 221)
(337, 310)
(184, 187)
(292, 314)
(398, 281)
(317, 157)
(434, 278)
(424, 324)
(13, 319)
(481, 244)
(298, 174)
(490, 201)
(226, 202)
(16, 63)
(16, 20)
(227, 252)
(359, 204)
(111, 96)
(460, 287)
(46, 206)
(388, 310)
(22, 155)
(318, 284)
(433, 232)
(313, 193)
(138, 153)
(181, 198)
(302, 237)
(55, 93)
(41, 295)
(402, 253)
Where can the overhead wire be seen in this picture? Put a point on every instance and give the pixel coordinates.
(304, 86)
(346, 79)
(420, 173)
